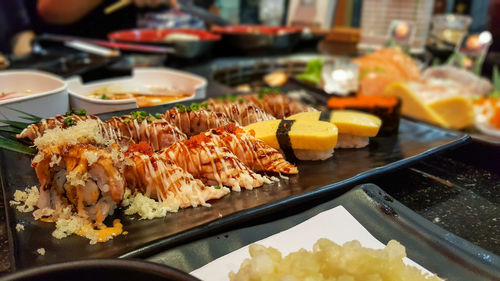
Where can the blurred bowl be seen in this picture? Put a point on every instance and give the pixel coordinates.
(187, 47)
(257, 38)
(101, 269)
(142, 81)
(35, 92)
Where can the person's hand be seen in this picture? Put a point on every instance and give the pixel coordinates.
(156, 3)
(22, 42)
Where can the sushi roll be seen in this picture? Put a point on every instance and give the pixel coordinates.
(388, 109)
(354, 127)
(298, 139)
(256, 154)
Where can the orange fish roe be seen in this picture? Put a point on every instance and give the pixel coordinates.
(231, 128)
(495, 118)
(142, 147)
(360, 101)
(196, 141)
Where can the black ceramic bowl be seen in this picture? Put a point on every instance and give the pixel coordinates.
(101, 269)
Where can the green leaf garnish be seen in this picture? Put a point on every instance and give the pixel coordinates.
(158, 115)
(478, 65)
(104, 97)
(217, 187)
(15, 124)
(205, 105)
(69, 121)
(221, 98)
(126, 120)
(28, 116)
(495, 95)
(16, 146)
(241, 100)
(313, 72)
(11, 130)
(496, 79)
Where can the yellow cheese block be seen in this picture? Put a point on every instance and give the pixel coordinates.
(309, 135)
(347, 121)
(454, 112)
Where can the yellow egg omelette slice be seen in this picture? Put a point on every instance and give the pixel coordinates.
(347, 121)
(303, 134)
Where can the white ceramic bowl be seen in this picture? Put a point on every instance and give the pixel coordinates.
(48, 96)
(141, 78)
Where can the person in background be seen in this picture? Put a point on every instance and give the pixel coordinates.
(15, 28)
(86, 18)
(71, 11)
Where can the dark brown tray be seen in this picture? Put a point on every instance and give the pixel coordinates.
(316, 179)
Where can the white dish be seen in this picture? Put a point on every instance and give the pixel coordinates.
(142, 78)
(303, 235)
(48, 94)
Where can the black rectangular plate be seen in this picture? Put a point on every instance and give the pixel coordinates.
(145, 237)
(385, 218)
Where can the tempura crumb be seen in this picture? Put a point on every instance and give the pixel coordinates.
(19, 227)
(148, 208)
(25, 201)
(41, 251)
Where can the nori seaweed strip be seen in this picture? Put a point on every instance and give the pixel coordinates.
(284, 139)
(325, 116)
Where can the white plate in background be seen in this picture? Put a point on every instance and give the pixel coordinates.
(141, 80)
(48, 94)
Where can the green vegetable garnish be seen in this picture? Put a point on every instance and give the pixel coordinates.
(231, 97)
(181, 107)
(69, 121)
(80, 112)
(195, 106)
(241, 100)
(158, 115)
(267, 91)
(150, 118)
(376, 69)
(495, 95)
(139, 115)
(205, 104)
(313, 72)
(217, 187)
(76, 112)
(436, 62)
(221, 98)
(104, 97)
(126, 120)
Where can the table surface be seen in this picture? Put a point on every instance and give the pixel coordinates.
(458, 190)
